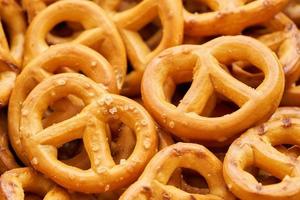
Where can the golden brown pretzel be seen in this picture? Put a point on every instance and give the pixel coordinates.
(7, 160)
(100, 33)
(139, 54)
(293, 11)
(283, 38)
(220, 20)
(11, 51)
(12, 16)
(201, 63)
(256, 148)
(14, 184)
(153, 182)
(74, 56)
(104, 175)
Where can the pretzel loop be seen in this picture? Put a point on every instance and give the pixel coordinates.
(104, 174)
(153, 182)
(202, 65)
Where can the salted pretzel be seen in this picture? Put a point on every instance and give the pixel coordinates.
(293, 11)
(256, 147)
(132, 20)
(90, 125)
(7, 160)
(14, 184)
(200, 63)
(220, 20)
(153, 182)
(100, 33)
(73, 56)
(282, 36)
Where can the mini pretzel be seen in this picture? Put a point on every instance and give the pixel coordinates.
(14, 183)
(256, 148)
(153, 182)
(201, 64)
(293, 11)
(100, 34)
(7, 160)
(11, 14)
(10, 55)
(73, 56)
(132, 20)
(284, 39)
(104, 175)
(243, 13)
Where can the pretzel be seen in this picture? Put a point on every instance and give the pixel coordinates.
(292, 11)
(256, 148)
(99, 34)
(284, 40)
(14, 183)
(152, 183)
(74, 56)
(200, 63)
(220, 20)
(11, 15)
(10, 55)
(139, 54)
(7, 160)
(40, 144)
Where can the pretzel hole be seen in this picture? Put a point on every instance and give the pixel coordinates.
(31, 196)
(297, 82)
(180, 91)
(127, 4)
(151, 33)
(196, 6)
(262, 176)
(189, 181)
(69, 150)
(255, 31)
(6, 32)
(123, 140)
(247, 73)
(223, 107)
(64, 32)
(62, 109)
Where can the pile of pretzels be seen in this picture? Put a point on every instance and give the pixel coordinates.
(149, 99)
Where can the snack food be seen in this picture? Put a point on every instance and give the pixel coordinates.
(220, 20)
(133, 20)
(100, 33)
(153, 181)
(201, 64)
(256, 147)
(73, 56)
(104, 175)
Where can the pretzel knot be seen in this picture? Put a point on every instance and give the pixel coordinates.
(224, 12)
(100, 33)
(153, 182)
(14, 184)
(76, 58)
(133, 20)
(202, 64)
(256, 148)
(90, 125)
